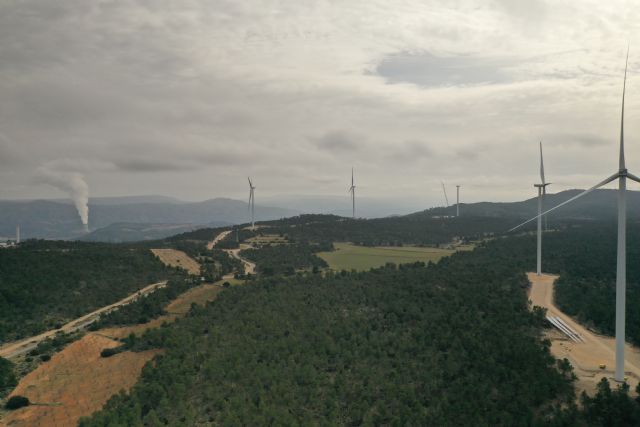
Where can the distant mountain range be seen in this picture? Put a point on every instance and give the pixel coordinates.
(117, 219)
(58, 219)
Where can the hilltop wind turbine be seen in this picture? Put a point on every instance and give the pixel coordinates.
(352, 190)
(542, 191)
(621, 263)
(252, 203)
(457, 200)
(446, 199)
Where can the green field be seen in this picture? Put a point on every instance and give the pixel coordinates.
(351, 257)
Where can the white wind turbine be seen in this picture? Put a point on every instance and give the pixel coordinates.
(621, 262)
(457, 200)
(542, 191)
(352, 190)
(252, 203)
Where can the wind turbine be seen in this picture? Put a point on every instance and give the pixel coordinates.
(621, 262)
(457, 200)
(542, 191)
(352, 190)
(252, 203)
(444, 190)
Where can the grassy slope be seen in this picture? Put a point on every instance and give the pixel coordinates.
(348, 256)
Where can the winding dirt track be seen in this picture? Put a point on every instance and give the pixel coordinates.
(588, 355)
(218, 238)
(249, 267)
(17, 348)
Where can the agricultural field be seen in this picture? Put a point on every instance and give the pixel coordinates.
(268, 239)
(76, 382)
(175, 258)
(351, 257)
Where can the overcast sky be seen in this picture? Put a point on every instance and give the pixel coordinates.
(187, 97)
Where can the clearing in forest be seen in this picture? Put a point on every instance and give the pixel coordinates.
(76, 382)
(268, 239)
(351, 257)
(587, 356)
(175, 258)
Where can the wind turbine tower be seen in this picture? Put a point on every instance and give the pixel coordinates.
(17, 234)
(352, 190)
(252, 203)
(457, 200)
(542, 191)
(621, 262)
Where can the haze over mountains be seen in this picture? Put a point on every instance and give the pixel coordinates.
(58, 219)
(152, 217)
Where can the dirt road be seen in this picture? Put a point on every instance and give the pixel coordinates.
(249, 267)
(584, 356)
(16, 348)
(218, 238)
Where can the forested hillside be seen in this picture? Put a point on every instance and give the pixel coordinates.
(287, 259)
(44, 284)
(452, 344)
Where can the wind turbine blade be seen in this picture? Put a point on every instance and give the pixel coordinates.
(633, 177)
(444, 189)
(584, 193)
(541, 166)
(624, 87)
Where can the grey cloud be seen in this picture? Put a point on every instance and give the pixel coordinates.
(426, 69)
(410, 151)
(338, 140)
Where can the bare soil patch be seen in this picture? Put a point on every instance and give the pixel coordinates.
(76, 382)
(175, 258)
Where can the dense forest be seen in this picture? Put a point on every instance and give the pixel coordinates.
(44, 284)
(287, 258)
(7, 377)
(451, 344)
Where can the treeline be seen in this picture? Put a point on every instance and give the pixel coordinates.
(45, 284)
(149, 306)
(416, 229)
(451, 344)
(287, 259)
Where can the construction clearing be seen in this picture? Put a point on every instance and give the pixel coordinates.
(591, 355)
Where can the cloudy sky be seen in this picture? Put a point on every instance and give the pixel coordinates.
(188, 97)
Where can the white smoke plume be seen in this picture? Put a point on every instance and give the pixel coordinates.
(72, 183)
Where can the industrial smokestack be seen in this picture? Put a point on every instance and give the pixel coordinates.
(72, 183)
(17, 234)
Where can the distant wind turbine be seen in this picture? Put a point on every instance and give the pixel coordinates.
(352, 190)
(542, 191)
(252, 203)
(621, 263)
(446, 199)
(457, 200)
